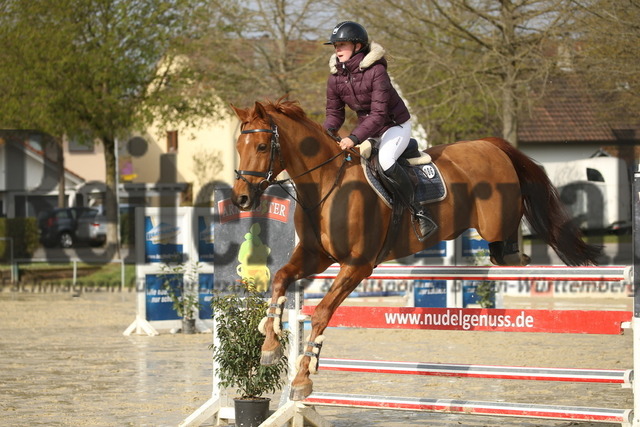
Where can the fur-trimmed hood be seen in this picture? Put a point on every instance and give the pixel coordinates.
(376, 53)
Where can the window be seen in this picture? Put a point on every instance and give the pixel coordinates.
(172, 141)
(35, 142)
(81, 144)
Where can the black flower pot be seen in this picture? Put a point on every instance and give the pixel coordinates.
(251, 412)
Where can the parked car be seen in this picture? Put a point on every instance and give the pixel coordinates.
(68, 226)
(92, 228)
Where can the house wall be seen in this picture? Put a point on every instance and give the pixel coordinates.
(28, 182)
(212, 143)
(544, 153)
(90, 165)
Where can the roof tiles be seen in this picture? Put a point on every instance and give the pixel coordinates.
(567, 113)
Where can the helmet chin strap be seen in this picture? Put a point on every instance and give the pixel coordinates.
(362, 48)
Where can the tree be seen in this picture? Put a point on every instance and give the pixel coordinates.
(607, 33)
(257, 49)
(475, 57)
(102, 68)
(27, 105)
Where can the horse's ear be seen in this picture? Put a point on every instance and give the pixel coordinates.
(242, 114)
(260, 111)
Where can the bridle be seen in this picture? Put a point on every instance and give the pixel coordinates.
(269, 176)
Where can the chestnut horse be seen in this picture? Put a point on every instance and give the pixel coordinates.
(340, 219)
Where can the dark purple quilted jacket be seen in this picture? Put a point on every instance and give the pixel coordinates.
(363, 84)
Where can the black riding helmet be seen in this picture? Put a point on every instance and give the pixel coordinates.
(349, 31)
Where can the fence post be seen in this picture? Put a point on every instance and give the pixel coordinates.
(636, 295)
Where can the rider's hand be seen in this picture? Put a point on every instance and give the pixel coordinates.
(346, 143)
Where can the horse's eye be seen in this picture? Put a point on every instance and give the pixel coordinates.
(262, 148)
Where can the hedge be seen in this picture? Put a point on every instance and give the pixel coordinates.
(25, 234)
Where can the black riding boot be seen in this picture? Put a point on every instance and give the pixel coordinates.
(400, 180)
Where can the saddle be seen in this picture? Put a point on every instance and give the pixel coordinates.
(428, 183)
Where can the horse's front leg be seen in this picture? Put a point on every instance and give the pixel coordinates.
(347, 280)
(271, 325)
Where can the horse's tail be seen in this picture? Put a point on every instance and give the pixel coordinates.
(545, 212)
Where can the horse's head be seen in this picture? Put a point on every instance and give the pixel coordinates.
(260, 159)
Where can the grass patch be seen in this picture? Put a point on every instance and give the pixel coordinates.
(86, 272)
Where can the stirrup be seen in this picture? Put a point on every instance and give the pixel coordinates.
(417, 228)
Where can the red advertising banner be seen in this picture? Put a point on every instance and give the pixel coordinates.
(480, 319)
(270, 207)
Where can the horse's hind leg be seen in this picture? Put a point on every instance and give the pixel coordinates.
(297, 268)
(347, 280)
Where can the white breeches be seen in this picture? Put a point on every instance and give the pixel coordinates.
(393, 143)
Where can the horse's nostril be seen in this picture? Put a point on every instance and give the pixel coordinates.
(243, 201)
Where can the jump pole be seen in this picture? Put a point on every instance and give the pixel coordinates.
(636, 294)
(472, 272)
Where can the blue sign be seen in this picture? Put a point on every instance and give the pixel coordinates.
(205, 238)
(159, 305)
(473, 244)
(205, 295)
(163, 241)
(436, 251)
(430, 293)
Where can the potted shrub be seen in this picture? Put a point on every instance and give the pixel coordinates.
(183, 293)
(236, 353)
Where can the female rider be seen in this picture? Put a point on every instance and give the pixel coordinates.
(360, 80)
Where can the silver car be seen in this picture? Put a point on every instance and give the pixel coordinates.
(91, 228)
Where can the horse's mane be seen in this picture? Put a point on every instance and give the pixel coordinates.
(291, 109)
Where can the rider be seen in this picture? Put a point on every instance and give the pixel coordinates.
(359, 79)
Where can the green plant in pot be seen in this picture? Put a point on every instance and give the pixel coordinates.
(236, 353)
(182, 287)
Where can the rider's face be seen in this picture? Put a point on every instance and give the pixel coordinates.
(344, 50)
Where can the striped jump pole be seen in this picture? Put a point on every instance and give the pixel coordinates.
(469, 407)
(472, 272)
(602, 376)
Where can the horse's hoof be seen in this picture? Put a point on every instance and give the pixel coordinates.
(271, 357)
(301, 392)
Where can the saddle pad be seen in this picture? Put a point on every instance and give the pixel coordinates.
(374, 182)
(430, 186)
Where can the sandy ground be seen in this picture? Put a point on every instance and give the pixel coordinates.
(65, 362)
